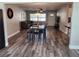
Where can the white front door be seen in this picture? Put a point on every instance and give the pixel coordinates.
(51, 19)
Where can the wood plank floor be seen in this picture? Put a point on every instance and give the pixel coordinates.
(56, 45)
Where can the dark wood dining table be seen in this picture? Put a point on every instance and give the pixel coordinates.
(40, 29)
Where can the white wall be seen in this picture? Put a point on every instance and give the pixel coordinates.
(74, 39)
(13, 24)
(63, 13)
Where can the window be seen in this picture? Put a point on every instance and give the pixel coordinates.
(38, 17)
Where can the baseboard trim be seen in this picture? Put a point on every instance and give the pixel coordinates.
(74, 46)
(13, 34)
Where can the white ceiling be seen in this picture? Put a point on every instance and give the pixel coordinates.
(44, 6)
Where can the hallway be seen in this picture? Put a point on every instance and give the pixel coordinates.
(55, 45)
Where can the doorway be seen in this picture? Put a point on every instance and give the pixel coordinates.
(2, 37)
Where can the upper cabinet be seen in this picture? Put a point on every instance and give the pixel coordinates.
(70, 12)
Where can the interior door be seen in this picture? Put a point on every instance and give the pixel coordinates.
(2, 37)
(51, 19)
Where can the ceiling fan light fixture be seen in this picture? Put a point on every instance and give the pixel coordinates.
(41, 10)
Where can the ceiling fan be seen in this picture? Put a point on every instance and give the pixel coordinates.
(40, 10)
